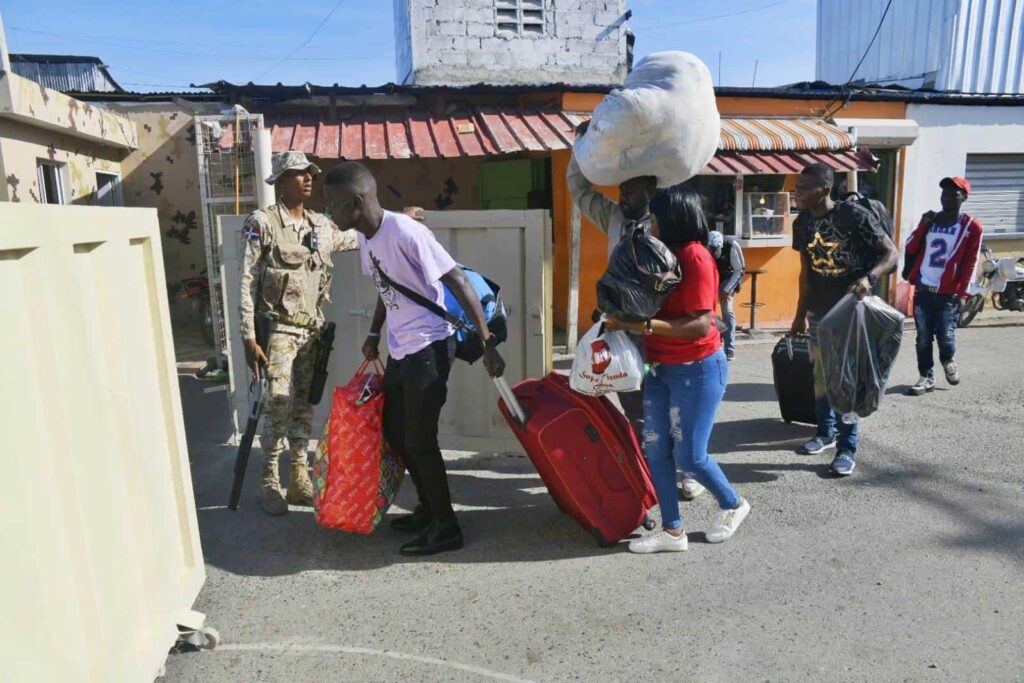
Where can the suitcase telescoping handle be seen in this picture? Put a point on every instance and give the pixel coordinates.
(511, 402)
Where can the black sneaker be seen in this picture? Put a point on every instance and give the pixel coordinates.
(438, 539)
(730, 354)
(417, 522)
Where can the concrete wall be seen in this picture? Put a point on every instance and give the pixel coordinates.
(452, 42)
(163, 174)
(31, 103)
(947, 134)
(23, 145)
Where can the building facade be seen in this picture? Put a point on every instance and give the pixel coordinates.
(511, 42)
(55, 149)
(984, 144)
(971, 46)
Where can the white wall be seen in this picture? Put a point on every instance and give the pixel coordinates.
(947, 134)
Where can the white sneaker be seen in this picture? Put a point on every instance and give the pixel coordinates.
(923, 386)
(659, 542)
(691, 487)
(727, 522)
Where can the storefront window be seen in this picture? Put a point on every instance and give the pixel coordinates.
(766, 214)
(719, 199)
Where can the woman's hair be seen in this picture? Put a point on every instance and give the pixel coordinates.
(680, 216)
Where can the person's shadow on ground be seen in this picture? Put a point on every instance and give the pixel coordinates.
(507, 514)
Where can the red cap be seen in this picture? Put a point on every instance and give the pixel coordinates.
(957, 181)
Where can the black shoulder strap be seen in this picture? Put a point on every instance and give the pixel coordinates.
(418, 298)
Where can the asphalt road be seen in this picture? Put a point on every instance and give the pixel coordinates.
(912, 569)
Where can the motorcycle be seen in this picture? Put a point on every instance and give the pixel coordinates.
(197, 290)
(1002, 278)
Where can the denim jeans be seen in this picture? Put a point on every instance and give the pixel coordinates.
(680, 402)
(729, 318)
(415, 391)
(828, 422)
(936, 317)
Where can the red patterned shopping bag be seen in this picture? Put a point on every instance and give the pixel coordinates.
(355, 474)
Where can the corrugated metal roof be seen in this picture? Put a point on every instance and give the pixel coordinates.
(65, 73)
(476, 132)
(969, 46)
(492, 131)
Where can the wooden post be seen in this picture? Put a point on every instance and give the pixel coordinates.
(572, 317)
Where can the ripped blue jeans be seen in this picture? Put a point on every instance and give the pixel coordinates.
(680, 403)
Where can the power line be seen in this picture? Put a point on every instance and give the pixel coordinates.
(873, 38)
(828, 112)
(304, 44)
(712, 17)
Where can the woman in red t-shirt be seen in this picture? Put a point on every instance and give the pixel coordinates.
(688, 376)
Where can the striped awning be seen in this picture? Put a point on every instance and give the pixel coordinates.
(774, 163)
(747, 145)
(782, 135)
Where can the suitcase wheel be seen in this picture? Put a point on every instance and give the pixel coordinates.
(601, 540)
(649, 523)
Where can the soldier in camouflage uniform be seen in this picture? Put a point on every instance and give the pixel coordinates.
(286, 277)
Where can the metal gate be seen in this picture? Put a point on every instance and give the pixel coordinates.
(997, 191)
(511, 247)
(100, 539)
(228, 186)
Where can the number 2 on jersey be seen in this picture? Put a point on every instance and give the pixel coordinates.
(938, 257)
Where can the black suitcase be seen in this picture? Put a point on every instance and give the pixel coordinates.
(793, 371)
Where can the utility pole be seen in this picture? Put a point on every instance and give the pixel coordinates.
(753, 83)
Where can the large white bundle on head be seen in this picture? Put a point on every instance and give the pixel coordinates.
(663, 122)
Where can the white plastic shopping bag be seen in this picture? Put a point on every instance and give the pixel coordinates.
(606, 362)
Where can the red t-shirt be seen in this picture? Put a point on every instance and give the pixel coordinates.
(698, 291)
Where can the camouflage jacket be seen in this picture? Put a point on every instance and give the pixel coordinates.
(302, 248)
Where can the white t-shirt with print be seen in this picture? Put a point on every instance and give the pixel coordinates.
(410, 255)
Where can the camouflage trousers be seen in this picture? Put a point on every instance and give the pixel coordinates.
(288, 412)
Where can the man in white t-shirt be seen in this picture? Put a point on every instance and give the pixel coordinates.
(941, 256)
(395, 249)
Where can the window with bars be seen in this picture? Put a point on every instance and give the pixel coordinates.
(521, 17)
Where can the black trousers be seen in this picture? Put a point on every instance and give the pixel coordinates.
(415, 390)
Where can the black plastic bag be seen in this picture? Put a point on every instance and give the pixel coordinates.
(641, 273)
(857, 345)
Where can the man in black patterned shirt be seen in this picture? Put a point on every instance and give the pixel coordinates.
(843, 248)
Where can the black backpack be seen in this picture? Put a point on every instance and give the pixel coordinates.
(875, 208)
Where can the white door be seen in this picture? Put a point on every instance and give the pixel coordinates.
(512, 248)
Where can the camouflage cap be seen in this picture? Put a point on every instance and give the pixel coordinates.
(290, 161)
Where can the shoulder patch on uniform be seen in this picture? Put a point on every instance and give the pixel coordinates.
(252, 231)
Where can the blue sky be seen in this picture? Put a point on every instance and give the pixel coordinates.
(167, 45)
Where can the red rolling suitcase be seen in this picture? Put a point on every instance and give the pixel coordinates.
(585, 452)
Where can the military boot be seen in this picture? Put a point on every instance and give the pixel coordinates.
(300, 488)
(271, 499)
